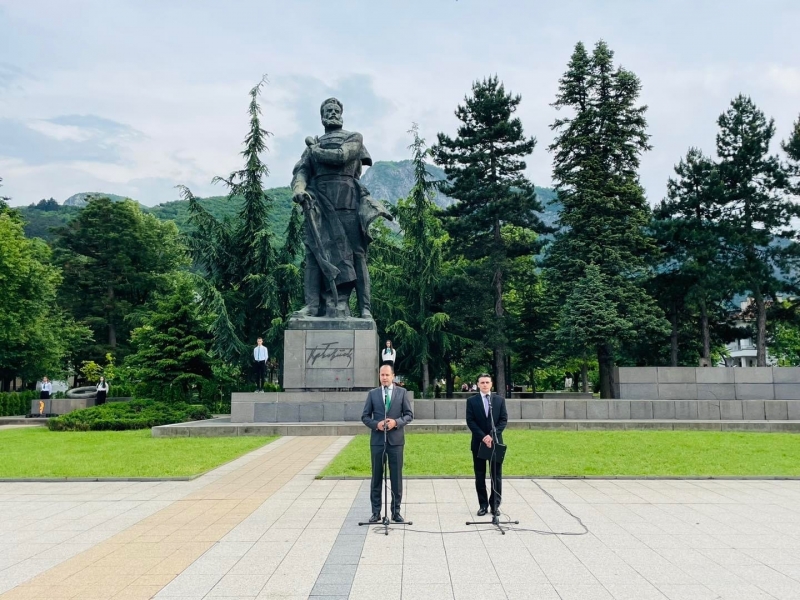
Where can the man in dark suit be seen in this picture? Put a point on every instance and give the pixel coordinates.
(387, 407)
(480, 425)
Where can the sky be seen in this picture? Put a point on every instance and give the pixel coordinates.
(134, 98)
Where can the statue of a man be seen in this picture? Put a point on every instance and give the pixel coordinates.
(338, 211)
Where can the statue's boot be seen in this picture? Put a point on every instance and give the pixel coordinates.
(311, 287)
(363, 291)
(309, 310)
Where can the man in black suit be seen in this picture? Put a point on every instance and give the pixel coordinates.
(480, 425)
(387, 407)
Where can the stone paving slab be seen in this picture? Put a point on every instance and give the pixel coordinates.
(238, 534)
(133, 539)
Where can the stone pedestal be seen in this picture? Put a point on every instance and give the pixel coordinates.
(324, 354)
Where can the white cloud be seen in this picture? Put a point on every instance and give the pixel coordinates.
(177, 79)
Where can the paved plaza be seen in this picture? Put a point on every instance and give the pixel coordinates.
(263, 527)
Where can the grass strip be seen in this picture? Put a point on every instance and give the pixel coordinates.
(594, 453)
(32, 452)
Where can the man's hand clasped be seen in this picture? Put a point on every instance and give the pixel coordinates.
(390, 424)
(488, 441)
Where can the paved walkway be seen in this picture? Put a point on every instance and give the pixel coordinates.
(263, 527)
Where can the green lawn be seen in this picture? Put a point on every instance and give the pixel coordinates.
(595, 453)
(38, 452)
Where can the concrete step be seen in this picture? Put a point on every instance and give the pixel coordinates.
(224, 428)
(22, 420)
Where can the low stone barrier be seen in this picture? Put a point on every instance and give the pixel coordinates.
(707, 383)
(320, 407)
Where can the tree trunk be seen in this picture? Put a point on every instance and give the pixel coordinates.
(112, 332)
(605, 360)
(509, 379)
(449, 384)
(585, 377)
(426, 378)
(674, 335)
(761, 330)
(499, 349)
(500, 372)
(704, 332)
(533, 381)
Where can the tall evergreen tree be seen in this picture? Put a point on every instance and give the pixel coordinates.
(171, 356)
(689, 231)
(236, 257)
(792, 148)
(760, 239)
(589, 316)
(596, 155)
(421, 328)
(485, 168)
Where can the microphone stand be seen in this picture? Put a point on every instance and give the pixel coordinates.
(495, 514)
(386, 490)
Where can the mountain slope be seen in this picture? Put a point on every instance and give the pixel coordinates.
(388, 181)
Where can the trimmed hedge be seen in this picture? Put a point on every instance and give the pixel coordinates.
(136, 414)
(14, 404)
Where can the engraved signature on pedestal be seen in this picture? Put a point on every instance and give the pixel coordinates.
(330, 353)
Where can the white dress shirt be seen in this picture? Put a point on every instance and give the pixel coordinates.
(260, 353)
(47, 386)
(486, 399)
(388, 354)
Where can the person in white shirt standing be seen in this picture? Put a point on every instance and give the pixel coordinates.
(102, 392)
(260, 357)
(388, 355)
(46, 389)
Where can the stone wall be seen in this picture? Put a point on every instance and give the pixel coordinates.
(310, 407)
(708, 383)
(298, 407)
(600, 410)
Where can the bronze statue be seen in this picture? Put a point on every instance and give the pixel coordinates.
(338, 212)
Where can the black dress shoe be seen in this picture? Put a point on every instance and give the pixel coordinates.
(398, 518)
(375, 518)
(482, 511)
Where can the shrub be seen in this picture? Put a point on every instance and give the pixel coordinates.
(118, 390)
(13, 404)
(136, 414)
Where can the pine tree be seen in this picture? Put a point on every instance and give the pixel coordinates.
(589, 316)
(688, 228)
(172, 345)
(485, 168)
(596, 158)
(420, 330)
(792, 148)
(236, 258)
(757, 213)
